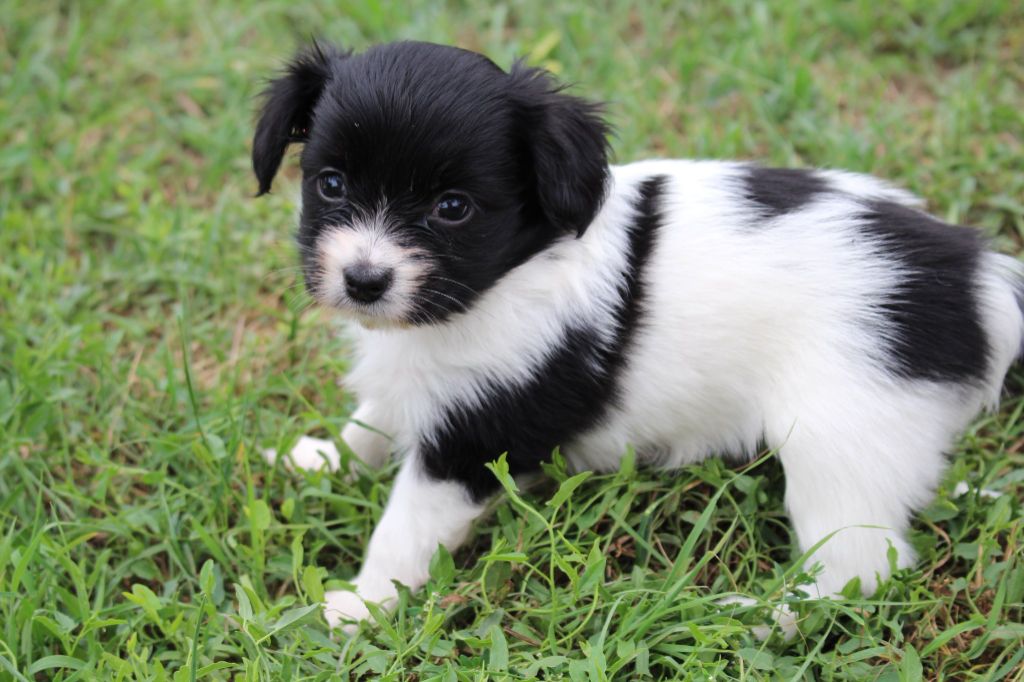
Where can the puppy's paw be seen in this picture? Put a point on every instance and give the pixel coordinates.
(369, 445)
(785, 618)
(344, 610)
(310, 454)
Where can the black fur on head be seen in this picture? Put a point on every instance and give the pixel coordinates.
(405, 123)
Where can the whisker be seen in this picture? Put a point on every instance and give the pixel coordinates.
(296, 289)
(450, 298)
(300, 304)
(464, 286)
(281, 273)
(431, 317)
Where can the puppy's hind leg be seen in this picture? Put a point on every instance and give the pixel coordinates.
(364, 435)
(859, 461)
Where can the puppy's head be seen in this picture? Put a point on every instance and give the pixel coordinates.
(428, 173)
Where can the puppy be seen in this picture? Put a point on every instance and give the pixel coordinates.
(513, 293)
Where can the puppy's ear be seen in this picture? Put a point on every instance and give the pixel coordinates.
(567, 141)
(288, 109)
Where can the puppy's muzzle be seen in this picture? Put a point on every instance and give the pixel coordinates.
(366, 283)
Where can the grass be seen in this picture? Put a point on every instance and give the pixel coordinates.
(154, 335)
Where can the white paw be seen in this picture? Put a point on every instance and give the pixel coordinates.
(310, 454)
(784, 617)
(962, 488)
(345, 610)
(369, 445)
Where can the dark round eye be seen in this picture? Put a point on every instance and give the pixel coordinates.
(331, 185)
(452, 208)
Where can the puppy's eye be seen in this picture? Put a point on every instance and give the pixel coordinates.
(331, 185)
(452, 208)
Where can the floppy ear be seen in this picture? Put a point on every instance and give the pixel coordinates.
(288, 109)
(568, 148)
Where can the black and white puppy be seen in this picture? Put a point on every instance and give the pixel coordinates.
(514, 293)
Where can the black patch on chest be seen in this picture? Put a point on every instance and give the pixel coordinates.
(934, 309)
(777, 191)
(570, 391)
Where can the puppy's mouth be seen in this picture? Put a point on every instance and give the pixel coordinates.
(415, 302)
(383, 314)
(365, 275)
(375, 307)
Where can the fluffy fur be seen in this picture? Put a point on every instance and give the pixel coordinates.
(684, 308)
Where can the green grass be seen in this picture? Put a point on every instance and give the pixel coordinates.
(154, 336)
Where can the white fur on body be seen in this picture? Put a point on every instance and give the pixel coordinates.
(747, 332)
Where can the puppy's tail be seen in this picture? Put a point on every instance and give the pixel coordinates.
(1010, 273)
(1019, 293)
(1001, 299)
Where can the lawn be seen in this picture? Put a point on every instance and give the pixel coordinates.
(154, 336)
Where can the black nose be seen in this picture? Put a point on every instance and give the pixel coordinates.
(366, 283)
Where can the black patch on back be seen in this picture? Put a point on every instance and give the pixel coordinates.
(570, 392)
(777, 191)
(935, 309)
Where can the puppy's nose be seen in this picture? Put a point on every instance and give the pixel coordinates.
(366, 283)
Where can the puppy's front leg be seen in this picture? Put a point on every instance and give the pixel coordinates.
(367, 434)
(422, 513)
